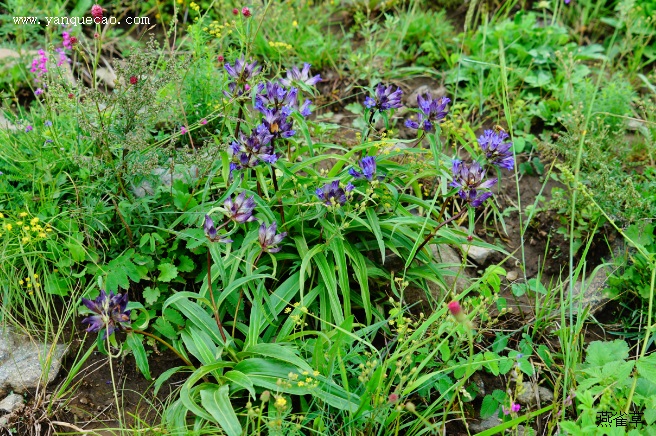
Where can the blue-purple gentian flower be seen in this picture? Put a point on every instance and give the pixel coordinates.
(250, 150)
(303, 76)
(211, 232)
(110, 313)
(240, 210)
(332, 194)
(385, 98)
(241, 73)
(469, 178)
(368, 167)
(432, 112)
(497, 151)
(269, 238)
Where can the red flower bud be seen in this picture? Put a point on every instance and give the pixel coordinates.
(220, 58)
(458, 313)
(133, 80)
(97, 13)
(71, 95)
(235, 11)
(74, 40)
(246, 12)
(470, 238)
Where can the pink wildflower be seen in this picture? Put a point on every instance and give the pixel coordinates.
(97, 13)
(38, 91)
(246, 12)
(203, 121)
(68, 42)
(184, 130)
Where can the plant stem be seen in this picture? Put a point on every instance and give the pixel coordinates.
(432, 234)
(275, 187)
(111, 372)
(209, 286)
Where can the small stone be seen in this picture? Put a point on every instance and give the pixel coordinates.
(84, 400)
(477, 254)
(532, 393)
(11, 403)
(485, 424)
(511, 275)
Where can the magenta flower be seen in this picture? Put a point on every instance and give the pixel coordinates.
(514, 408)
(183, 130)
(67, 40)
(38, 91)
(110, 313)
(97, 13)
(28, 129)
(203, 121)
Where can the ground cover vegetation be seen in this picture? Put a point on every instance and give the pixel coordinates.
(237, 216)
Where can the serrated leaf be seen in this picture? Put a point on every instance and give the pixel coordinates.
(186, 264)
(165, 328)
(134, 342)
(151, 295)
(600, 353)
(167, 272)
(174, 316)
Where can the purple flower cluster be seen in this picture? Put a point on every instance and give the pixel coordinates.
(212, 233)
(109, 312)
(269, 238)
(368, 167)
(250, 150)
(497, 151)
(241, 73)
(469, 180)
(332, 194)
(431, 113)
(385, 98)
(300, 76)
(240, 210)
(276, 102)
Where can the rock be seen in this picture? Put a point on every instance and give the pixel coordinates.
(22, 362)
(181, 172)
(11, 403)
(107, 76)
(456, 277)
(531, 393)
(411, 99)
(512, 275)
(145, 188)
(593, 289)
(5, 124)
(485, 424)
(477, 254)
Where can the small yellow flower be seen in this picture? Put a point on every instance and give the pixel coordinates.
(288, 309)
(21, 282)
(19, 223)
(8, 227)
(1, 215)
(280, 403)
(34, 220)
(48, 229)
(27, 279)
(36, 276)
(26, 228)
(22, 214)
(29, 285)
(55, 270)
(295, 23)
(26, 239)
(42, 235)
(37, 285)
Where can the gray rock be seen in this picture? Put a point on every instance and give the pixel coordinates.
(24, 361)
(533, 394)
(11, 403)
(181, 172)
(512, 275)
(455, 276)
(477, 254)
(485, 424)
